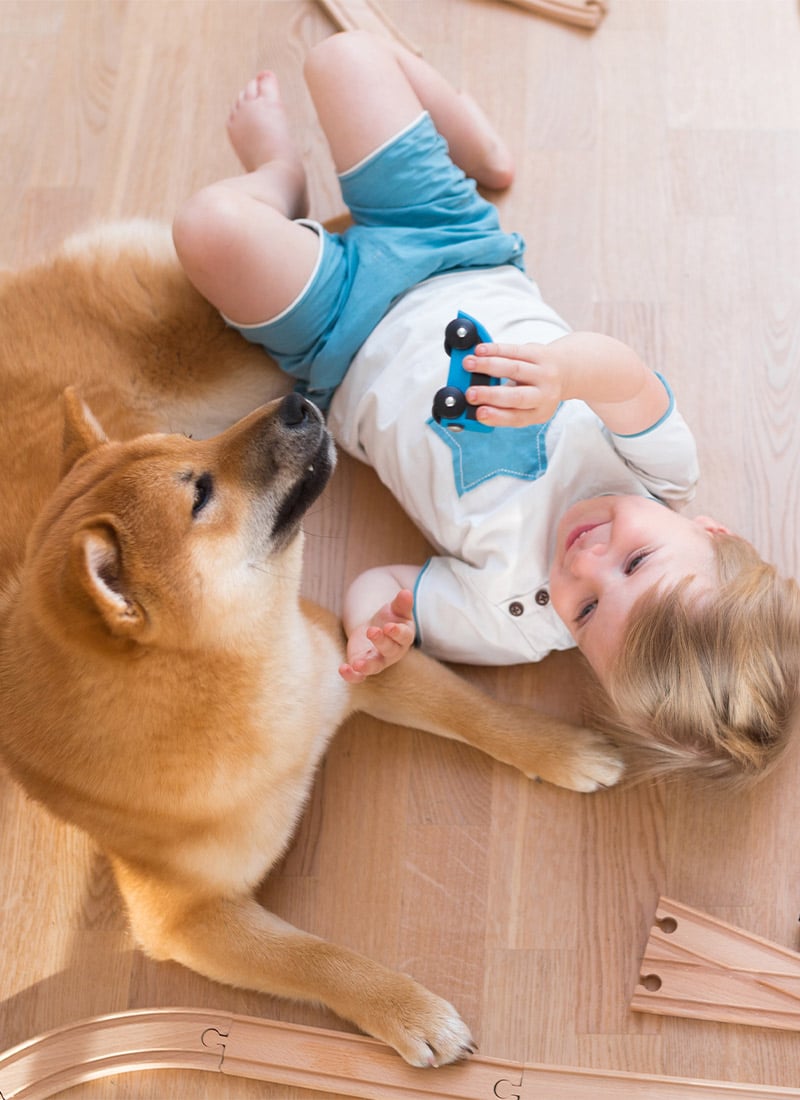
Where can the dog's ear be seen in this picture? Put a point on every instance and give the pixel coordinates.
(97, 561)
(82, 432)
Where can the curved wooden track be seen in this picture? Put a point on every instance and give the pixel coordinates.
(306, 1057)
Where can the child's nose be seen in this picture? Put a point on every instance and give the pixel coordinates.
(590, 561)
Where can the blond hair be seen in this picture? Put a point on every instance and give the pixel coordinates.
(710, 683)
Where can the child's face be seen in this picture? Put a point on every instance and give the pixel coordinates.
(612, 549)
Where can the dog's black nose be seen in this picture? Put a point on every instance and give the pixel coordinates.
(293, 410)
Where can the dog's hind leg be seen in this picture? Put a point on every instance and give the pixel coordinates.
(423, 694)
(238, 942)
(184, 366)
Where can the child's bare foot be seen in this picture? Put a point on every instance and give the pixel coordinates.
(488, 158)
(381, 642)
(261, 138)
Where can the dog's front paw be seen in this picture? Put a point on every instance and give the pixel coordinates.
(423, 1028)
(587, 762)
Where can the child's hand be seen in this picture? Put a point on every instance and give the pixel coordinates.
(381, 642)
(534, 390)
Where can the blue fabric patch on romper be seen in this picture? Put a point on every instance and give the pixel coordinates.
(503, 452)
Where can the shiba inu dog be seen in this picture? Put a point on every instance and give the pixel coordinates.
(162, 684)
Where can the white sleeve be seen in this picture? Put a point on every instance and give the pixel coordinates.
(663, 456)
(455, 621)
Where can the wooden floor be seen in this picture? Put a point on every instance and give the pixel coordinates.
(659, 192)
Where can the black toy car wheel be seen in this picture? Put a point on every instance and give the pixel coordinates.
(448, 403)
(460, 334)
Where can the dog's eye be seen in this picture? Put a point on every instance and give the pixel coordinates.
(203, 491)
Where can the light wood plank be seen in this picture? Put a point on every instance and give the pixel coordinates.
(658, 173)
(346, 1066)
(698, 966)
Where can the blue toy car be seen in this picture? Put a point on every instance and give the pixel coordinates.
(450, 405)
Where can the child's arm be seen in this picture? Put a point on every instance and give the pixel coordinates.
(605, 373)
(378, 638)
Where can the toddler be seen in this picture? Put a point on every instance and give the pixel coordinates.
(558, 526)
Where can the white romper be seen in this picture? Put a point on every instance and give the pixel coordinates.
(489, 503)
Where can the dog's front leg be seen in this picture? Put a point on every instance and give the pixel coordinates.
(422, 693)
(238, 942)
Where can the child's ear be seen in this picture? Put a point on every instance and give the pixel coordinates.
(712, 526)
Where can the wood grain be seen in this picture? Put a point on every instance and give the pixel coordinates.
(352, 1066)
(658, 174)
(706, 969)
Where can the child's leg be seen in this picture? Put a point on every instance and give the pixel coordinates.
(366, 90)
(236, 239)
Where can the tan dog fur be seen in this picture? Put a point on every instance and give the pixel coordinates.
(162, 685)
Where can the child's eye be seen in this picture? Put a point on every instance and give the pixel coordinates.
(585, 612)
(634, 561)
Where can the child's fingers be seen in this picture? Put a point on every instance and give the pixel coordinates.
(402, 606)
(510, 418)
(495, 366)
(391, 637)
(378, 647)
(504, 397)
(367, 664)
(402, 634)
(502, 361)
(349, 674)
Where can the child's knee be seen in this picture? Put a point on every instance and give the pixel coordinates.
(203, 225)
(333, 56)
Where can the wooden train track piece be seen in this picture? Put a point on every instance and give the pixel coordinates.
(580, 13)
(700, 967)
(365, 15)
(350, 15)
(307, 1057)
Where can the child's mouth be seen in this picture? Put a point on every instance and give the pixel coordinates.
(576, 533)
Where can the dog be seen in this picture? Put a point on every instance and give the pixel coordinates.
(163, 686)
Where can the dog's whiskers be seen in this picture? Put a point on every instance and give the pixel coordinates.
(264, 567)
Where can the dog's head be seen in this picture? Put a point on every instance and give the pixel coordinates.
(171, 541)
